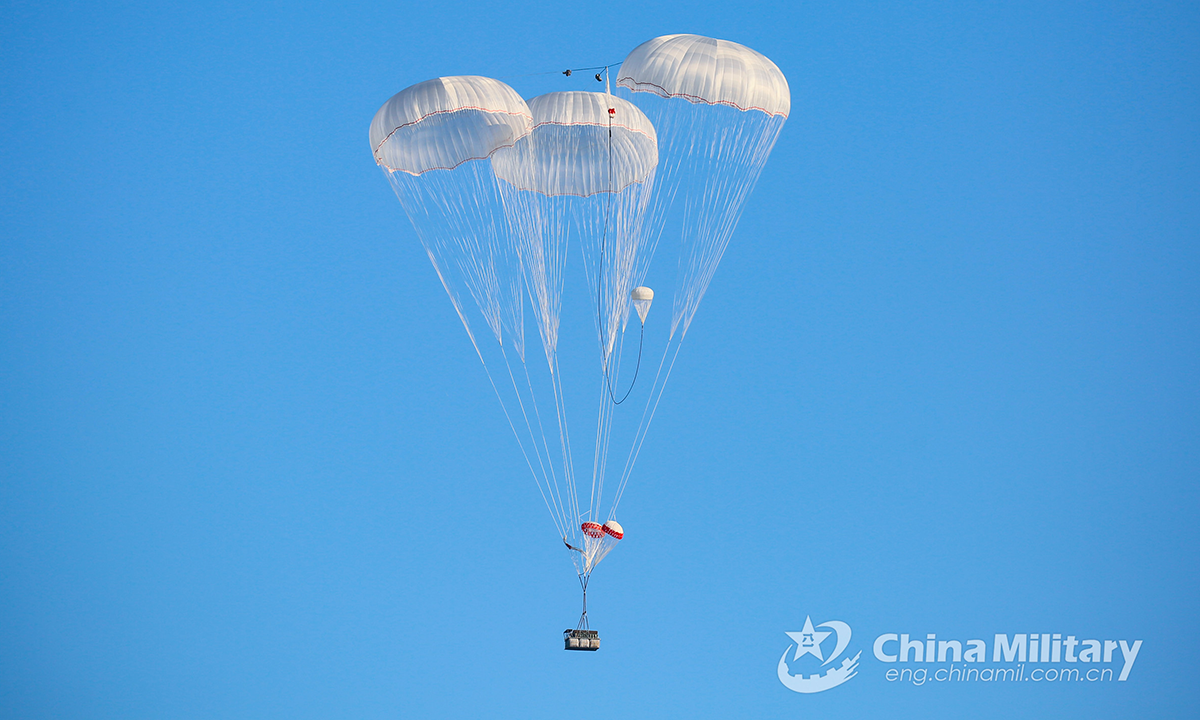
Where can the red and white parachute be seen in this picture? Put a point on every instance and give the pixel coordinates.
(568, 208)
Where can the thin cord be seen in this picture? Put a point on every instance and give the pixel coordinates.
(600, 276)
(641, 338)
(567, 72)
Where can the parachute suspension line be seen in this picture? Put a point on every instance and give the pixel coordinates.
(731, 160)
(555, 492)
(731, 176)
(542, 264)
(565, 439)
(729, 156)
(558, 524)
(603, 431)
(609, 411)
(583, 583)
(537, 414)
(605, 350)
(603, 449)
(471, 258)
(607, 326)
(605, 409)
(457, 248)
(644, 425)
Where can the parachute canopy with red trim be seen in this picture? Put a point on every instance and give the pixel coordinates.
(442, 123)
(592, 529)
(706, 70)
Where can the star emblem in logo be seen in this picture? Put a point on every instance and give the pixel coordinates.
(808, 640)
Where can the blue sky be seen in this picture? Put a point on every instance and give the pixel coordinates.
(944, 380)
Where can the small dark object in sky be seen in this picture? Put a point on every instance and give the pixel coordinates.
(581, 640)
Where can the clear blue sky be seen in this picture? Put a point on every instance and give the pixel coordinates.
(945, 380)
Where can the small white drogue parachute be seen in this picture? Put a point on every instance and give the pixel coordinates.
(554, 208)
(642, 297)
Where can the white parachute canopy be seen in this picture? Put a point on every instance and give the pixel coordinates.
(642, 297)
(434, 141)
(584, 173)
(442, 123)
(703, 70)
(502, 192)
(579, 148)
(498, 190)
(718, 107)
(579, 183)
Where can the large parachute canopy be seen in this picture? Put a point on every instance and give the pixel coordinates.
(578, 148)
(703, 70)
(442, 123)
(584, 172)
(718, 107)
(434, 141)
(556, 208)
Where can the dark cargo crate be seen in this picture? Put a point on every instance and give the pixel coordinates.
(581, 640)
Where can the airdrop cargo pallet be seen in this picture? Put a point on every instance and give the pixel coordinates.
(581, 640)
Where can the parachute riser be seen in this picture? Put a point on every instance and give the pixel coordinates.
(583, 619)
